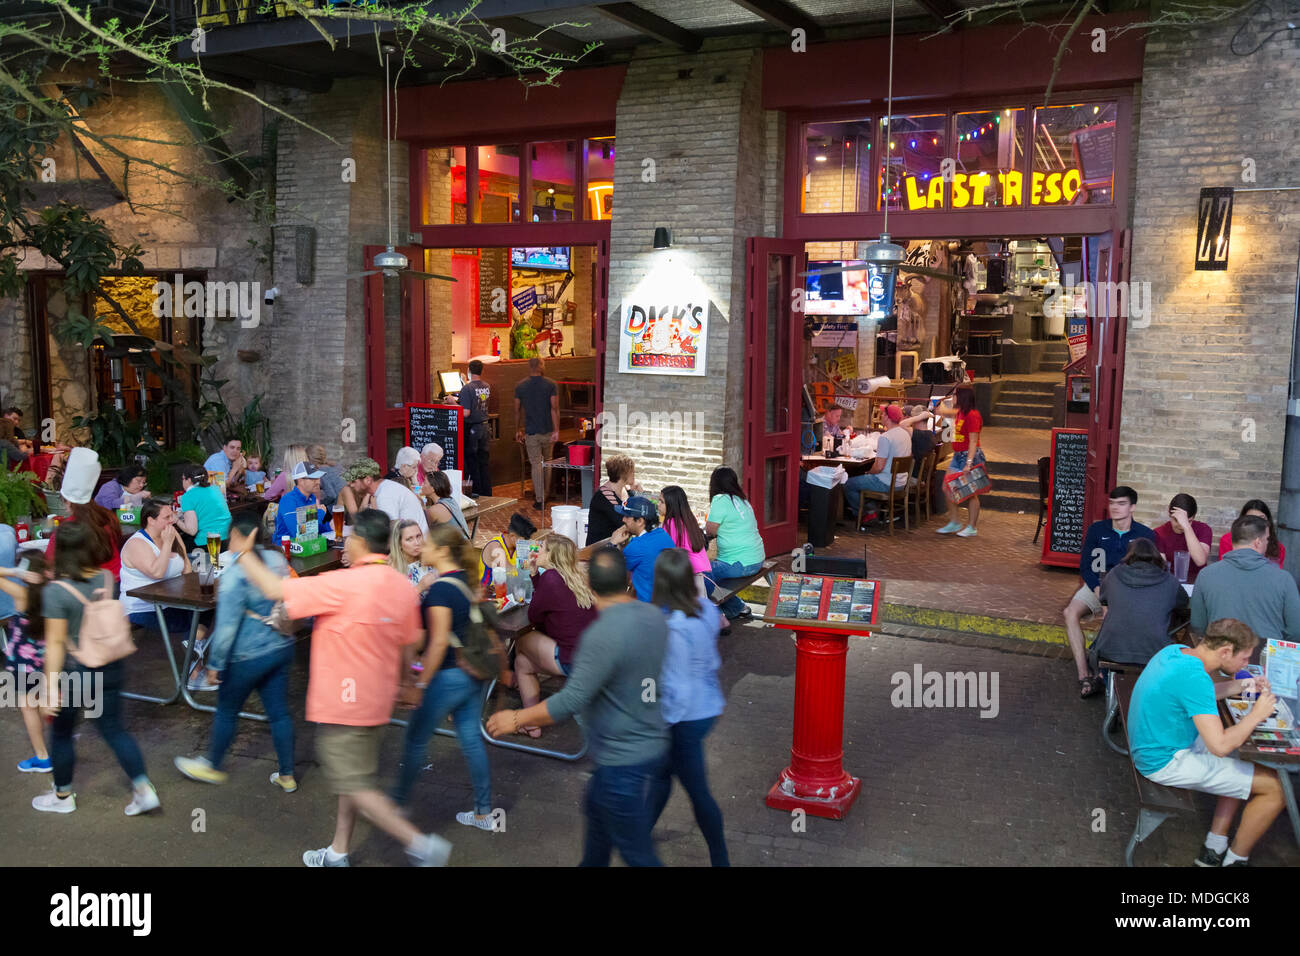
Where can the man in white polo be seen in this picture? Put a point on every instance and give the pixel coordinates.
(391, 497)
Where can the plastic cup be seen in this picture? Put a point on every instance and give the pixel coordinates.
(1182, 564)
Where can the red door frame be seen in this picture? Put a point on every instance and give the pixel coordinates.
(415, 361)
(761, 444)
(1106, 342)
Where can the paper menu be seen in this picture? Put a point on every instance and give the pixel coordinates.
(1282, 666)
(845, 602)
(524, 550)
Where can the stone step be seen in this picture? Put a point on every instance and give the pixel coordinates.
(1032, 388)
(1018, 485)
(1021, 421)
(1014, 469)
(1033, 404)
(998, 500)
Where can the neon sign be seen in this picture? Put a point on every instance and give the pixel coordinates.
(1045, 189)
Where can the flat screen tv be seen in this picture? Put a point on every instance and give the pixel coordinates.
(540, 257)
(836, 293)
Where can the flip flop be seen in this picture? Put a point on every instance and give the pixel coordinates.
(533, 732)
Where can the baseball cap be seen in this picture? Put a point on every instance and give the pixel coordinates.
(638, 507)
(406, 456)
(362, 468)
(80, 475)
(894, 413)
(304, 470)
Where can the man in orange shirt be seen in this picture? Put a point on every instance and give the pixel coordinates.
(365, 614)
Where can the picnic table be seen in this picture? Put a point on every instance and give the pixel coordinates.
(854, 466)
(1284, 764)
(485, 506)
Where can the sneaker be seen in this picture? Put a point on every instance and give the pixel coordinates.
(321, 858)
(35, 764)
(1210, 857)
(200, 769)
(950, 527)
(1238, 863)
(144, 800)
(967, 533)
(429, 850)
(284, 781)
(202, 683)
(744, 617)
(470, 819)
(50, 802)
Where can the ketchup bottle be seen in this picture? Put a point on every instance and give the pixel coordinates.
(21, 530)
(286, 546)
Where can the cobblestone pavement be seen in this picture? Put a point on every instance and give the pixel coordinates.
(940, 786)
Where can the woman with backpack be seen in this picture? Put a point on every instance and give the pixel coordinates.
(85, 622)
(690, 697)
(25, 650)
(250, 654)
(444, 686)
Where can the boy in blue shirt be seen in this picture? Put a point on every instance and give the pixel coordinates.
(1178, 740)
(644, 540)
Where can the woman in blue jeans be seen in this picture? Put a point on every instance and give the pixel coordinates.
(740, 546)
(690, 697)
(247, 654)
(442, 687)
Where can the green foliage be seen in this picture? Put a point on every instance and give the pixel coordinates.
(80, 329)
(117, 440)
(20, 493)
(252, 427)
(158, 472)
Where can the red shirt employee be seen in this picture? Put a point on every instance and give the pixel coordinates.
(967, 425)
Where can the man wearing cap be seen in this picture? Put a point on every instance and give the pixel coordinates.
(894, 443)
(306, 486)
(641, 539)
(474, 397)
(392, 498)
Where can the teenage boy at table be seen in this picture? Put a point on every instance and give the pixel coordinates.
(1178, 740)
(1104, 547)
(641, 539)
(1181, 533)
(629, 741)
(306, 486)
(364, 615)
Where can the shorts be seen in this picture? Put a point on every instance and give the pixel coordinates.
(349, 756)
(1088, 596)
(566, 671)
(1195, 768)
(959, 459)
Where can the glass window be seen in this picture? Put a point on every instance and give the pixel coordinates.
(444, 185)
(988, 155)
(600, 178)
(552, 166)
(1074, 155)
(911, 159)
(498, 183)
(836, 166)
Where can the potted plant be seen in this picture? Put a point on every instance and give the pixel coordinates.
(20, 494)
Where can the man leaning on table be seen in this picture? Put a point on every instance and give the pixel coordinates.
(303, 494)
(1177, 738)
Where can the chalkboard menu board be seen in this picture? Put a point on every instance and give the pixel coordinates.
(1095, 148)
(494, 274)
(1066, 518)
(849, 604)
(440, 424)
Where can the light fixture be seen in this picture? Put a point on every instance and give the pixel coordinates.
(663, 238)
(550, 190)
(884, 257)
(1213, 229)
(819, 158)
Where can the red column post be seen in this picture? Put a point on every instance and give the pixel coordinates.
(815, 781)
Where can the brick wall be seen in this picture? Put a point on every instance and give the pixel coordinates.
(711, 144)
(1217, 351)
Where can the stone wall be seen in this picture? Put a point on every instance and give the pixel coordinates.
(1205, 384)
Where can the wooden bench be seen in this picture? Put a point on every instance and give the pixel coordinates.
(1156, 803)
(725, 588)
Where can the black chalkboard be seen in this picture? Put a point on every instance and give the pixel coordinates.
(1063, 540)
(1095, 148)
(494, 284)
(441, 424)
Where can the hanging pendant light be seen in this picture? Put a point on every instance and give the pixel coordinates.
(390, 258)
(884, 257)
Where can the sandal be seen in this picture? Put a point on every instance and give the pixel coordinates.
(1091, 685)
(533, 732)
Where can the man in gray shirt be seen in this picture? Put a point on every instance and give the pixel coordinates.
(537, 417)
(613, 685)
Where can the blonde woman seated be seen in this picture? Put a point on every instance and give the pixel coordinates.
(562, 608)
(283, 481)
(404, 549)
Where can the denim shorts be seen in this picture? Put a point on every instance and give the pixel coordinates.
(566, 671)
(959, 459)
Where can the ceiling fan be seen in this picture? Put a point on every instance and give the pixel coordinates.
(391, 262)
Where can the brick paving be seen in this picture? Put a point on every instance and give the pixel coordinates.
(940, 786)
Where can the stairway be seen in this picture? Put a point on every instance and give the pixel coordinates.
(1054, 356)
(1015, 487)
(1023, 404)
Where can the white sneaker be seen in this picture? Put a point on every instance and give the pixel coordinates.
(967, 532)
(429, 850)
(471, 819)
(49, 802)
(202, 683)
(321, 858)
(143, 801)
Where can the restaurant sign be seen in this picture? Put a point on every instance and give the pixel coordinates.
(664, 338)
(969, 189)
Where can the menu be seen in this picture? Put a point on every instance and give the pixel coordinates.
(440, 424)
(1282, 667)
(1067, 490)
(847, 603)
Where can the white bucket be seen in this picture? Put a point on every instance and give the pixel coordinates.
(564, 520)
(583, 515)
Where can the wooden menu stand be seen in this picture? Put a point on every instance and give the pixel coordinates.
(823, 612)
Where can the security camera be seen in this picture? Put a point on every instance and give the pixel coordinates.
(271, 294)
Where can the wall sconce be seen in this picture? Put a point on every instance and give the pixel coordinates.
(1213, 229)
(663, 239)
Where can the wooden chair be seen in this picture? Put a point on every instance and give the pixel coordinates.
(920, 485)
(900, 466)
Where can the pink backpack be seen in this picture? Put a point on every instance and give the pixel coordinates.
(105, 632)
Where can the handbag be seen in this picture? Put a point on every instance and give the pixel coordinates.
(105, 634)
(960, 486)
(480, 654)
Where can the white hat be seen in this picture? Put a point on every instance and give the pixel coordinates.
(80, 475)
(304, 470)
(406, 456)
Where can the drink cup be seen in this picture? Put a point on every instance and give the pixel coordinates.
(1182, 564)
(337, 515)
